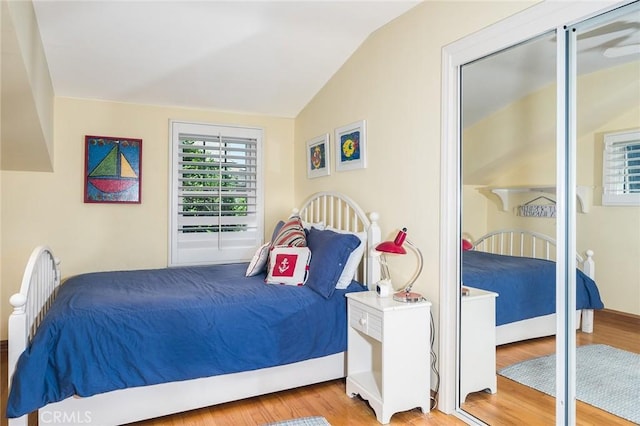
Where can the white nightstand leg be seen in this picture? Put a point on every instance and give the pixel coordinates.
(384, 417)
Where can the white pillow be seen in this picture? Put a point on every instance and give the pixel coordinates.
(288, 265)
(318, 225)
(355, 257)
(259, 260)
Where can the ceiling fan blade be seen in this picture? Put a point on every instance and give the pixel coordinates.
(618, 51)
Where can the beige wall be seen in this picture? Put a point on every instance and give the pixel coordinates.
(394, 82)
(48, 208)
(607, 102)
(474, 212)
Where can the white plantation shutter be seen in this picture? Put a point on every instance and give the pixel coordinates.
(216, 196)
(621, 168)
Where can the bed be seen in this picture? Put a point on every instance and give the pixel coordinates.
(184, 371)
(519, 266)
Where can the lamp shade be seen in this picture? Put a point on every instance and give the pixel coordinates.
(395, 246)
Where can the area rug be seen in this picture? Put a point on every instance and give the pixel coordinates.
(606, 378)
(303, 421)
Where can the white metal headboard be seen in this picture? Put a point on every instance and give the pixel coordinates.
(341, 212)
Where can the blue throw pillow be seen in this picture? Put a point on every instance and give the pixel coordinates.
(277, 229)
(329, 254)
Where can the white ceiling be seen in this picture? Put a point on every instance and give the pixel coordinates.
(263, 57)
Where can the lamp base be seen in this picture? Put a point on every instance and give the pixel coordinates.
(407, 297)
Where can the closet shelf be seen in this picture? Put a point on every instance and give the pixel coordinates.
(583, 194)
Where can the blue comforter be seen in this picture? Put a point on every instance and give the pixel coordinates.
(113, 330)
(525, 286)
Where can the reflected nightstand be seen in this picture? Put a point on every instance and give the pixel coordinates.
(478, 342)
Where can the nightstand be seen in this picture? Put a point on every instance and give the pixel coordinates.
(388, 355)
(477, 342)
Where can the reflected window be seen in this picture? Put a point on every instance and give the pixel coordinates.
(621, 168)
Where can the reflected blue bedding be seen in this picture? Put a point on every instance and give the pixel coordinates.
(113, 330)
(525, 286)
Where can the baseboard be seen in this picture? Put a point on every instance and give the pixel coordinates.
(4, 345)
(626, 316)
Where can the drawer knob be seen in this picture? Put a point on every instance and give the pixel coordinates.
(363, 321)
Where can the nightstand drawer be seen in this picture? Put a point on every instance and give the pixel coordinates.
(365, 320)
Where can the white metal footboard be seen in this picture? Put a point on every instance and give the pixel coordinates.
(38, 290)
(524, 243)
(520, 242)
(517, 242)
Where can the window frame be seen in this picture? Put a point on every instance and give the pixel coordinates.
(210, 245)
(615, 194)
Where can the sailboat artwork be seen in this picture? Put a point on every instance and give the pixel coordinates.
(112, 170)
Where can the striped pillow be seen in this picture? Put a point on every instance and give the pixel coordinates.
(291, 234)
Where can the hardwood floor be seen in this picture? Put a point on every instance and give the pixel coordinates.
(512, 404)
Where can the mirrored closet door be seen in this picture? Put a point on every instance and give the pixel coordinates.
(534, 163)
(607, 146)
(508, 166)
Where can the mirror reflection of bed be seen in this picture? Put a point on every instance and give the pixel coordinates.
(509, 162)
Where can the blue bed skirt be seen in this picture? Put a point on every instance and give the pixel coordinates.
(114, 330)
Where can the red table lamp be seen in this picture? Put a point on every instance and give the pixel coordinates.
(397, 247)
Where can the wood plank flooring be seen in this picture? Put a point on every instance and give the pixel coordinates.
(513, 404)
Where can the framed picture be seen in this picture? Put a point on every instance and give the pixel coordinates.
(113, 170)
(350, 146)
(318, 157)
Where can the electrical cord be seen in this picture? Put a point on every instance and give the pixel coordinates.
(434, 366)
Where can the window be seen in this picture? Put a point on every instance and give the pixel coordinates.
(216, 198)
(621, 169)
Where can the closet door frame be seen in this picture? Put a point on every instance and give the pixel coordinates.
(539, 19)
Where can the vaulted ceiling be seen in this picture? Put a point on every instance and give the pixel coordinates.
(257, 57)
(264, 57)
